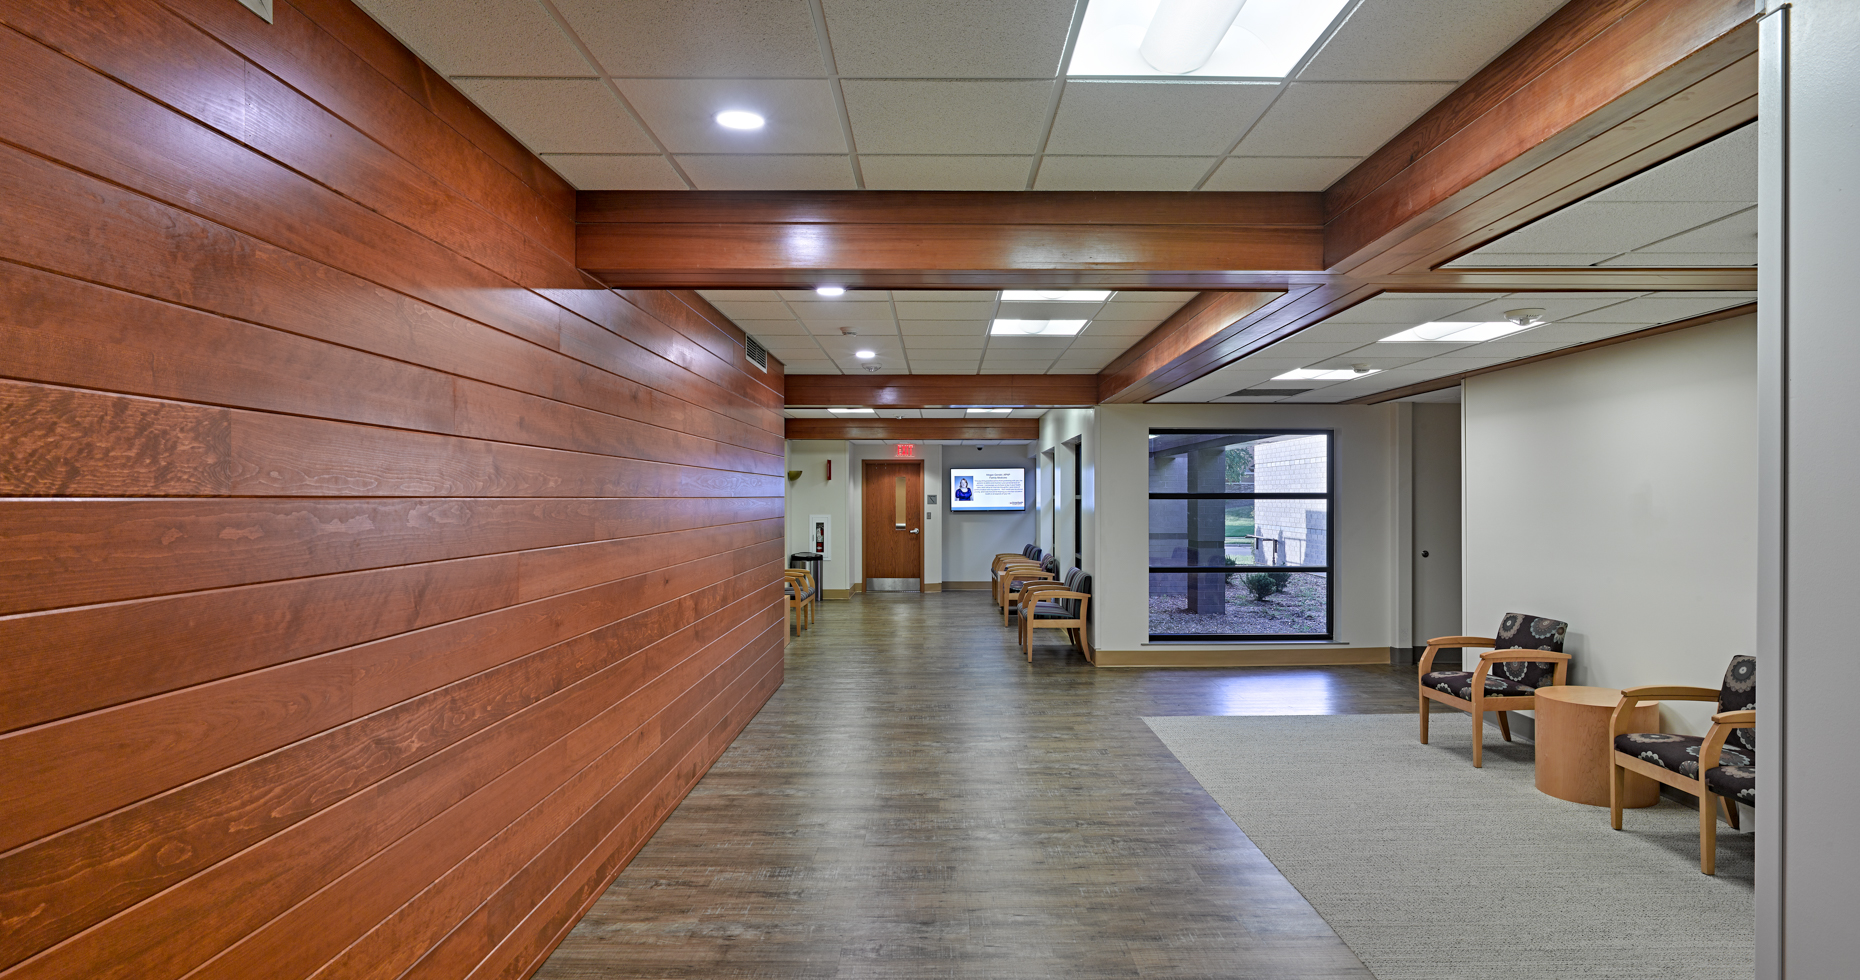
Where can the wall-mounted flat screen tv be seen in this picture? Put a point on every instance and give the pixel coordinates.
(987, 488)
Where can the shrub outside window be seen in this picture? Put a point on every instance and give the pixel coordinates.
(1254, 504)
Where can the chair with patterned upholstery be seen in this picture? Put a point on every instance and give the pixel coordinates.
(1015, 577)
(1527, 654)
(1720, 768)
(1057, 605)
(1029, 556)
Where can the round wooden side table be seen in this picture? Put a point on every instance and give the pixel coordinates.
(1573, 746)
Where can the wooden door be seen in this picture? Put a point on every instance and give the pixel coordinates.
(893, 539)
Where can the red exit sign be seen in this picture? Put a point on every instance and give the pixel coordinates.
(907, 451)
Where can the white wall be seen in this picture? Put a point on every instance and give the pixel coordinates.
(971, 541)
(813, 494)
(1365, 523)
(1616, 489)
(1057, 427)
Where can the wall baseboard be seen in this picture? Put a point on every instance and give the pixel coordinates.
(1285, 657)
(967, 586)
(836, 593)
(931, 587)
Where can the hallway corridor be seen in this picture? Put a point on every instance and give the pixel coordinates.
(919, 801)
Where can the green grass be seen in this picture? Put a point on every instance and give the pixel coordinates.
(1239, 525)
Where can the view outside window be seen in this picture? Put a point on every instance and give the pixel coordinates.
(1256, 506)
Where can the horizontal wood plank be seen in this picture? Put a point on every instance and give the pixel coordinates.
(942, 390)
(914, 429)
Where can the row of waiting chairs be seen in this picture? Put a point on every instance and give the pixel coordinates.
(802, 593)
(1028, 585)
(1719, 768)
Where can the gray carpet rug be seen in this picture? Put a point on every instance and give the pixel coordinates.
(1433, 870)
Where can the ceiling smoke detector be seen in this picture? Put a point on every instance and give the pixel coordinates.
(871, 367)
(1526, 318)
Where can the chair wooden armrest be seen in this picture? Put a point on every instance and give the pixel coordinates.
(1063, 593)
(1036, 587)
(1746, 718)
(1634, 696)
(1438, 643)
(1722, 725)
(1521, 656)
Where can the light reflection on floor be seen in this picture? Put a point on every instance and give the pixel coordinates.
(1287, 693)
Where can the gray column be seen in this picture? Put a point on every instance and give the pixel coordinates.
(1207, 531)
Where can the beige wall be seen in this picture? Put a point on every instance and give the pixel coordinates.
(1616, 489)
(812, 494)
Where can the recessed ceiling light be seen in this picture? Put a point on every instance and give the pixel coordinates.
(1320, 374)
(830, 290)
(1037, 328)
(1199, 38)
(1457, 332)
(865, 355)
(1055, 295)
(989, 411)
(851, 411)
(738, 119)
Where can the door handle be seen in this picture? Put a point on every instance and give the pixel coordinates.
(913, 530)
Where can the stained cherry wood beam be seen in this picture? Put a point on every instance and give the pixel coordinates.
(1198, 321)
(928, 239)
(944, 390)
(1599, 91)
(914, 430)
(1435, 384)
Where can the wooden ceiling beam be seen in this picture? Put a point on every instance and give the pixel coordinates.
(914, 430)
(943, 390)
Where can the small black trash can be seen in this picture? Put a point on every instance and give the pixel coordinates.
(808, 560)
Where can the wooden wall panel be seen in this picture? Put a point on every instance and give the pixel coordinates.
(372, 582)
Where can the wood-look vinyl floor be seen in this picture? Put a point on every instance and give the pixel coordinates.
(919, 801)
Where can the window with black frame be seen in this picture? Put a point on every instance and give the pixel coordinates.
(1240, 543)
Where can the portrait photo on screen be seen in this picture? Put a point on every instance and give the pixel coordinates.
(987, 488)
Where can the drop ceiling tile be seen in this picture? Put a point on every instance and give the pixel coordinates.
(1382, 363)
(800, 113)
(809, 367)
(1723, 170)
(1439, 39)
(1408, 310)
(1128, 330)
(946, 117)
(1279, 173)
(481, 37)
(840, 309)
(1736, 234)
(1513, 349)
(1601, 226)
(1338, 119)
(949, 38)
(1048, 311)
(926, 328)
(615, 172)
(716, 296)
(859, 328)
(743, 172)
(1094, 361)
(851, 296)
(753, 311)
(1312, 349)
(974, 343)
(1120, 173)
(1149, 296)
(944, 366)
(1065, 369)
(943, 295)
(1048, 347)
(1654, 260)
(1555, 307)
(1093, 340)
(1122, 309)
(559, 115)
(772, 328)
(1160, 118)
(942, 413)
(945, 311)
(698, 38)
(1360, 333)
(903, 173)
(1035, 367)
(1651, 311)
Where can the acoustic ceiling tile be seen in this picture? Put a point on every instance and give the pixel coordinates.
(800, 114)
(1654, 260)
(1555, 307)
(945, 117)
(1655, 310)
(1059, 173)
(1612, 227)
(944, 295)
(927, 328)
(945, 311)
(1512, 260)
(772, 328)
(928, 173)
(810, 367)
(481, 37)
(1736, 234)
(559, 115)
(1409, 310)
(1093, 340)
(1128, 309)
(698, 38)
(716, 296)
(1338, 119)
(1388, 40)
(945, 342)
(615, 172)
(738, 309)
(1148, 296)
(859, 328)
(1155, 118)
(1723, 170)
(840, 309)
(1279, 173)
(948, 38)
(945, 366)
(745, 172)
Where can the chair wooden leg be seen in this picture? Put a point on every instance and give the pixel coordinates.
(1085, 645)
(1730, 811)
(1504, 725)
(1424, 719)
(1708, 831)
(1617, 788)
(1478, 718)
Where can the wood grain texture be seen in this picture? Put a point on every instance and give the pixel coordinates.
(1199, 320)
(914, 429)
(374, 581)
(943, 390)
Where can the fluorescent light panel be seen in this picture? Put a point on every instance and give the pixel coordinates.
(1037, 328)
(989, 411)
(1318, 374)
(1455, 332)
(1267, 39)
(739, 119)
(851, 411)
(1054, 295)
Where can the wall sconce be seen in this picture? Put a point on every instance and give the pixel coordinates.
(793, 475)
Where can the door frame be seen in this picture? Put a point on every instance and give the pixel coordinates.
(923, 475)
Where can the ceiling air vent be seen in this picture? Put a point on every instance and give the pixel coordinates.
(758, 354)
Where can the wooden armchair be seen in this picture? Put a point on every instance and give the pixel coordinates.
(1720, 768)
(800, 587)
(1056, 605)
(1028, 555)
(1015, 576)
(1527, 650)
